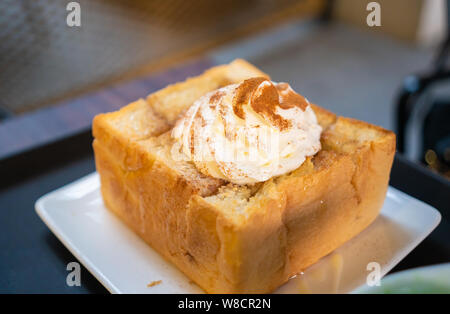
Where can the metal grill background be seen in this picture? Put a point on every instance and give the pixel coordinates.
(43, 61)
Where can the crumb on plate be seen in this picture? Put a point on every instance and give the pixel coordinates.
(154, 283)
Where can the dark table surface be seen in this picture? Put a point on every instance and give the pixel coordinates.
(32, 260)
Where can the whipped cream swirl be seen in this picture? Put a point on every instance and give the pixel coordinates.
(248, 132)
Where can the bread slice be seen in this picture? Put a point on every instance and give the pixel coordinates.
(231, 238)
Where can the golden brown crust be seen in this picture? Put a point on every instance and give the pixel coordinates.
(171, 101)
(236, 239)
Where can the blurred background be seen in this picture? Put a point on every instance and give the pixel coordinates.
(393, 75)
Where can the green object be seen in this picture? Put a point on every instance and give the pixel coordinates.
(424, 280)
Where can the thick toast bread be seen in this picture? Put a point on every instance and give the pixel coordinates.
(235, 238)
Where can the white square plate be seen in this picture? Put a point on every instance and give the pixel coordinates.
(124, 263)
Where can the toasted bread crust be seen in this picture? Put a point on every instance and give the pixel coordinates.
(224, 242)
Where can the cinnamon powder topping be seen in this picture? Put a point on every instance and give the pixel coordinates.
(264, 98)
